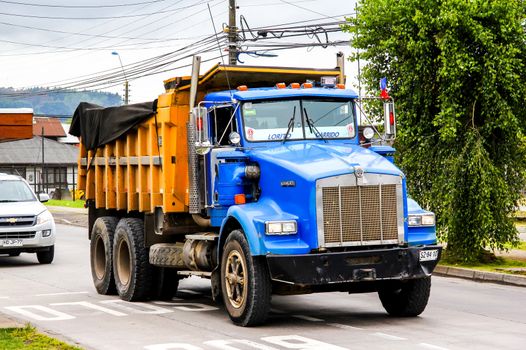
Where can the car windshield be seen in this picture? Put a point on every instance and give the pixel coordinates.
(298, 119)
(15, 191)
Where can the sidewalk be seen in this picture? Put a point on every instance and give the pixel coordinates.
(70, 216)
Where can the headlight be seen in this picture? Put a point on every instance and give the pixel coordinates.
(44, 217)
(421, 220)
(281, 227)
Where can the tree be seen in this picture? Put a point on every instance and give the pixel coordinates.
(457, 69)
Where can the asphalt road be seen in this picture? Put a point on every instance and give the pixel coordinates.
(60, 299)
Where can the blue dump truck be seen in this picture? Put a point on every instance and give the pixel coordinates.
(260, 179)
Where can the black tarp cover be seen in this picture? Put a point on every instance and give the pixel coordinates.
(98, 126)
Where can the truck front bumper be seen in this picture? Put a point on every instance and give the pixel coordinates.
(397, 263)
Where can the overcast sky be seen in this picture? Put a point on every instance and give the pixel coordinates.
(40, 51)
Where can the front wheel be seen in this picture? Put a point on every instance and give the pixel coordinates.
(46, 256)
(406, 299)
(245, 282)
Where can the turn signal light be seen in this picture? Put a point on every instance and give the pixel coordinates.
(240, 198)
(294, 85)
(242, 88)
(306, 85)
(340, 86)
(281, 85)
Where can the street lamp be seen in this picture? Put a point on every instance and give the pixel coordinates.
(115, 53)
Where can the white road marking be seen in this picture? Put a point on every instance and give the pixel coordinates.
(93, 307)
(226, 344)
(66, 221)
(300, 343)
(308, 318)
(144, 308)
(388, 336)
(344, 326)
(4, 297)
(431, 346)
(25, 310)
(63, 293)
(188, 291)
(185, 306)
(169, 346)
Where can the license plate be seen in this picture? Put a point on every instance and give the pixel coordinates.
(11, 242)
(428, 255)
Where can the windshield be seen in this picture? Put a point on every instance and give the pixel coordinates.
(304, 119)
(15, 191)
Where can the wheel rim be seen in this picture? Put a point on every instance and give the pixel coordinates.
(235, 279)
(123, 262)
(100, 258)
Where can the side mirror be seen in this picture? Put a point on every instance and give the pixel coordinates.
(200, 122)
(389, 120)
(43, 197)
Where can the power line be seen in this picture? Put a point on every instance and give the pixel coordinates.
(304, 8)
(103, 17)
(81, 6)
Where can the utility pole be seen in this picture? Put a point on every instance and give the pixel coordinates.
(43, 175)
(126, 92)
(232, 32)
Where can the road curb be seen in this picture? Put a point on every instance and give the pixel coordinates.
(480, 276)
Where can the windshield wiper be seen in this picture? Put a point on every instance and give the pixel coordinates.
(311, 126)
(290, 126)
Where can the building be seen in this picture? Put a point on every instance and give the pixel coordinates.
(16, 123)
(48, 127)
(48, 165)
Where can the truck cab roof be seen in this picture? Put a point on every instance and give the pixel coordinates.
(275, 93)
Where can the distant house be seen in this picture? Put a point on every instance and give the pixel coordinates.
(48, 127)
(24, 158)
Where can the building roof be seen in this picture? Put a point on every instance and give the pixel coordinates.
(52, 127)
(16, 110)
(30, 152)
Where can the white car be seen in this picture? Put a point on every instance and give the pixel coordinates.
(26, 226)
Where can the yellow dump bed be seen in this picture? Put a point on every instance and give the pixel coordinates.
(147, 166)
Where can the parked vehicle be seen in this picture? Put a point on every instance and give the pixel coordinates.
(26, 226)
(263, 189)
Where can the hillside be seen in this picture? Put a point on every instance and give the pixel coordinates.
(61, 103)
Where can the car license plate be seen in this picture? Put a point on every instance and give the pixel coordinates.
(11, 242)
(428, 255)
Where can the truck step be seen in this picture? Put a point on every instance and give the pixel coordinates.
(203, 236)
(204, 274)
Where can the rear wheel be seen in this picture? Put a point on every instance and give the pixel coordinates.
(46, 256)
(101, 254)
(132, 271)
(406, 299)
(245, 282)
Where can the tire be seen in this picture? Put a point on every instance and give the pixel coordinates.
(406, 299)
(132, 271)
(46, 256)
(247, 304)
(165, 283)
(101, 254)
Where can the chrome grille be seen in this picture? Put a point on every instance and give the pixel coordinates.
(17, 235)
(365, 214)
(17, 221)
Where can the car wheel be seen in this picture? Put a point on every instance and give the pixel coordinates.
(46, 256)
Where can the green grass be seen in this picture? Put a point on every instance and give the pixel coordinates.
(521, 246)
(496, 265)
(28, 338)
(65, 203)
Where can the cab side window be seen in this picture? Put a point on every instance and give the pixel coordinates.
(222, 124)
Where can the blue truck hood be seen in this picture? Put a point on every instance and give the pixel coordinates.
(313, 161)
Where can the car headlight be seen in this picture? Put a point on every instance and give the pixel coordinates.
(289, 227)
(421, 220)
(44, 217)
